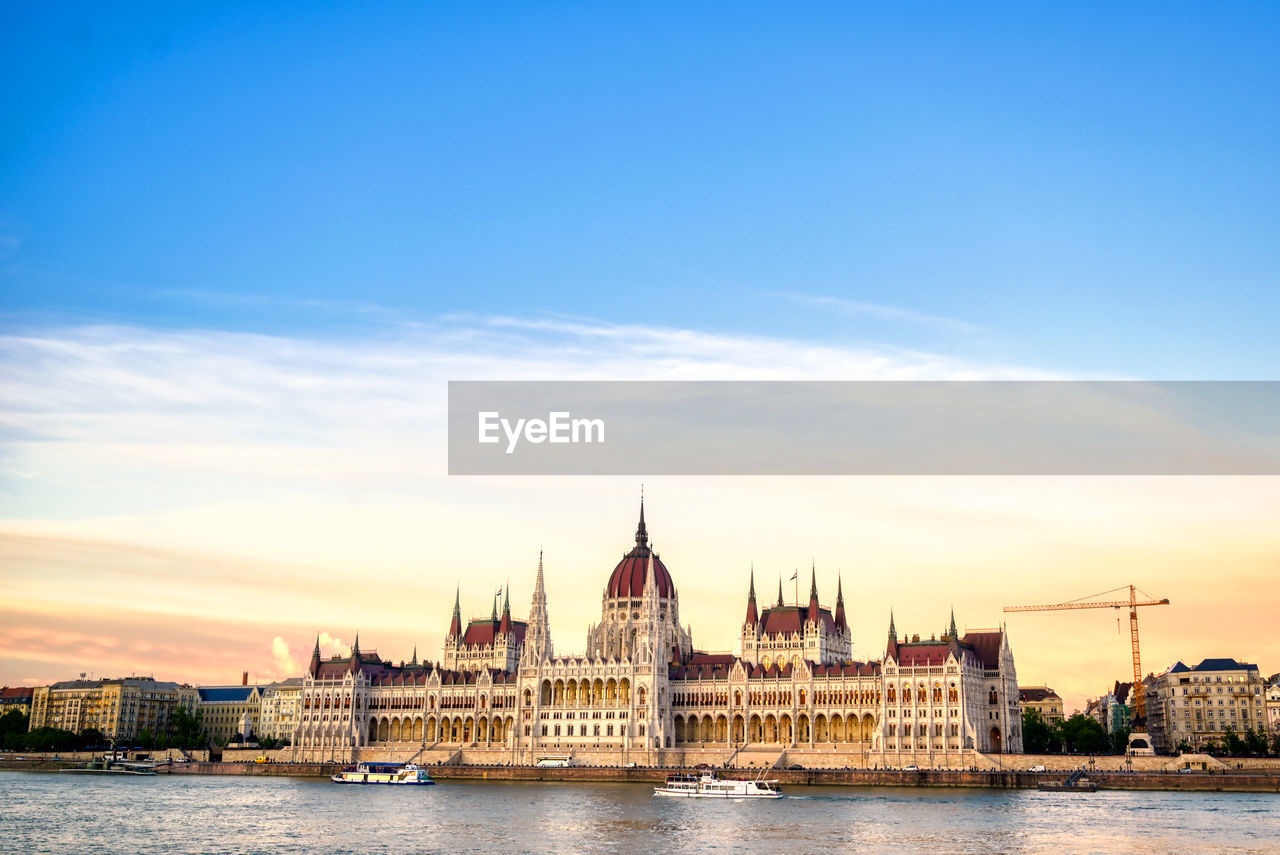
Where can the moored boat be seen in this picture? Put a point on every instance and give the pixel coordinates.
(708, 785)
(107, 766)
(383, 773)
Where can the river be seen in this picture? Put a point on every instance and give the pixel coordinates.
(44, 812)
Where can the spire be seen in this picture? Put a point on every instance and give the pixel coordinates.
(642, 534)
(414, 660)
(753, 616)
(841, 622)
(537, 638)
(355, 655)
(779, 589)
(891, 649)
(893, 632)
(951, 632)
(315, 658)
(493, 615)
(505, 626)
(455, 626)
(813, 593)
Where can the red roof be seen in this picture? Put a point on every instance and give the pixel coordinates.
(929, 654)
(986, 646)
(789, 620)
(481, 633)
(627, 579)
(12, 694)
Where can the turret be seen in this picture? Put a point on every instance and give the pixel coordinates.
(753, 616)
(355, 655)
(455, 626)
(315, 659)
(813, 615)
(841, 623)
(505, 626)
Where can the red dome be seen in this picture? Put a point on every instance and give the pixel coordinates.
(628, 577)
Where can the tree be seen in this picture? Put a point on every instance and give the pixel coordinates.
(1256, 742)
(1231, 742)
(91, 737)
(1184, 747)
(187, 729)
(1120, 741)
(1082, 734)
(13, 721)
(1038, 736)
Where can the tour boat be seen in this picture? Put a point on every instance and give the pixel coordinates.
(708, 785)
(383, 773)
(107, 766)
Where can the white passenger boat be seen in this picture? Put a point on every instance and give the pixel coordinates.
(383, 773)
(708, 785)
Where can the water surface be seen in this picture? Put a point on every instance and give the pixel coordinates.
(44, 812)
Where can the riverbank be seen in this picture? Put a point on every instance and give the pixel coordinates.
(1225, 781)
(1249, 782)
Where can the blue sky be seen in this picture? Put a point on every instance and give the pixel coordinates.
(1079, 188)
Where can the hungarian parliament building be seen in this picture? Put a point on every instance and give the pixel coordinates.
(643, 694)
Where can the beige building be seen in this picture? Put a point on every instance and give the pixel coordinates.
(225, 710)
(122, 708)
(1273, 704)
(1197, 705)
(641, 689)
(280, 705)
(1043, 700)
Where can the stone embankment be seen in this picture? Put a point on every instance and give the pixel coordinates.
(1226, 780)
(1195, 781)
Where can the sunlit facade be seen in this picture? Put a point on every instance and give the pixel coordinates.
(643, 692)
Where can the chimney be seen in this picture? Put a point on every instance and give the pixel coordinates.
(244, 678)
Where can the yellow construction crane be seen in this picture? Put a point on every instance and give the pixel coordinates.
(1132, 604)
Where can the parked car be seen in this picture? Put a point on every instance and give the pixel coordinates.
(911, 768)
(1039, 767)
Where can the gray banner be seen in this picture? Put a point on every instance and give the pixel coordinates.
(864, 428)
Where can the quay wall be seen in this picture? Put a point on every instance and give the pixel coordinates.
(1229, 781)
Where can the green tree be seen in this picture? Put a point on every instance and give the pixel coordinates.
(1256, 742)
(186, 729)
(1231, 742)
(91, 737)
(13, 721)
(1184, 747)
(1038, 736)
(1119, 741)
(1083, 735)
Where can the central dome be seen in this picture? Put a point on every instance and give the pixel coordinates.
(627, 579)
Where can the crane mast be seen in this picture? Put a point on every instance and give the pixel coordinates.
(1132, 604)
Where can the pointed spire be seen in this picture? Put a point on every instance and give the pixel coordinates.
(505, 626)
(753, 616)
(951, 632)
(642, 534)
(493, 615)
(455, 626)
(813, 593)
(355, 654)
(893, 632)
(841, 622)
(315, 658)
(414, 660)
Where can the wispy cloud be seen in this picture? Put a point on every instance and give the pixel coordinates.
(879, 311)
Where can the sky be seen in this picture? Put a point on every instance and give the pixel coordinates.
(244, 247)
